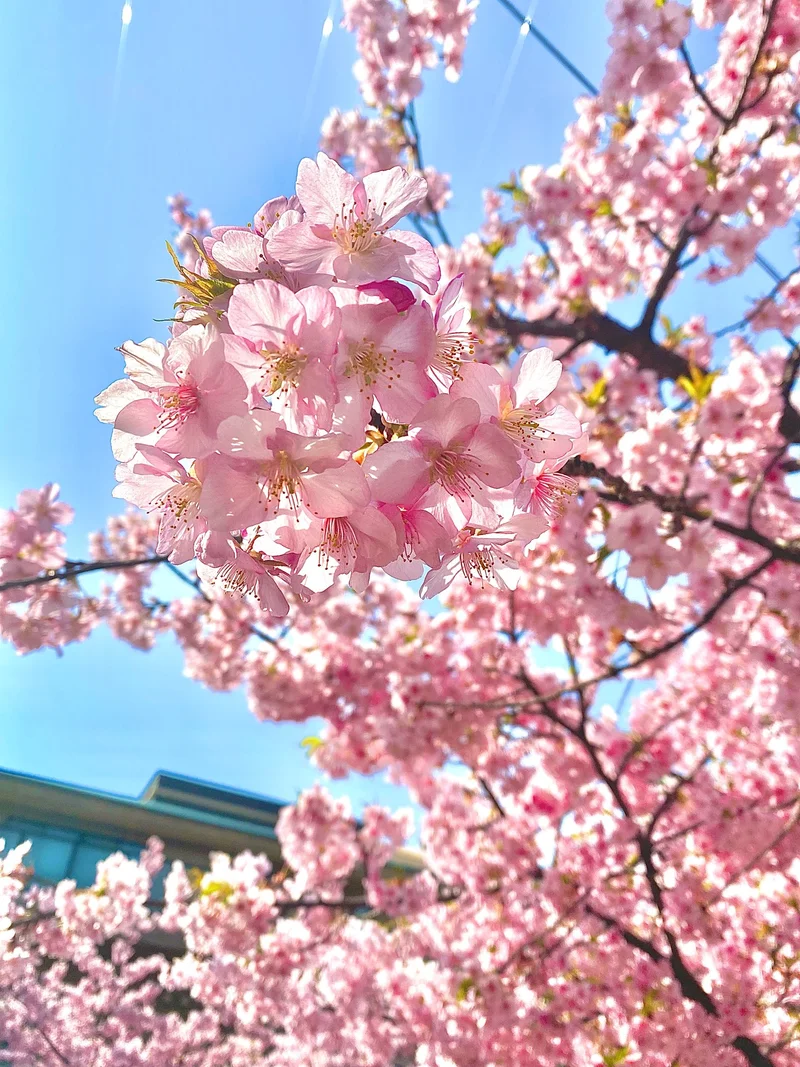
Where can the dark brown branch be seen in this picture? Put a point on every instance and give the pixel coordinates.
(741, 104)
(689, 985)
(715, 111)
(671, 797)
(789, 424)
(601, 330)
(611, 335)
(732, 588)
(73, 570)
(622, 493)
(671, 268)
(498, 807)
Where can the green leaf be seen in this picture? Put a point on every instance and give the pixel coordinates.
(650, 1003)
(222, 890)
(311, 744)
(603, 208)
(614, 1057)
(602, 555)
(698, 385)
(595, 396)
(494, 248)
(463, 989)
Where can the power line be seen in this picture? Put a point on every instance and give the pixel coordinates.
(548, 45)
(579, 76)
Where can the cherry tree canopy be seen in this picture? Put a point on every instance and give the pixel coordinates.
(342, 408)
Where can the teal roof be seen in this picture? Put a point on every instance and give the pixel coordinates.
(184, 798)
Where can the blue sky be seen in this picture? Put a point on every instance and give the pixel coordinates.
(208, 100)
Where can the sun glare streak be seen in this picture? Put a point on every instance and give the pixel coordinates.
(127, 15)
(327, 30)
(505, 85)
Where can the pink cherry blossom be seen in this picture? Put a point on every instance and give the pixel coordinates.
(345, 231)
(266, 466)
(520, 407)
(450, 456)
(156, 483)
(240, 572)
(175, 397)
(382, 357)
(294, 338)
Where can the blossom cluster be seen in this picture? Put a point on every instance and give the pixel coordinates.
(397, 42)
(610, 877)
(31, 545)
(312, 416)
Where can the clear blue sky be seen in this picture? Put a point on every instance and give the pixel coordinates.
(209, 100)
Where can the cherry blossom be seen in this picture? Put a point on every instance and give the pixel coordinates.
(595, 719)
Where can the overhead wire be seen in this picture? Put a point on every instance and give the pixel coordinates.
(579, 76)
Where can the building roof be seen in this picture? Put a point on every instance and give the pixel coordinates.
(190, 816)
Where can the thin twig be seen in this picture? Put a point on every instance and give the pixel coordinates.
(74, 570)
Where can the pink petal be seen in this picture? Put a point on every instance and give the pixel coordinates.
(401, 398)
(483, 384)
(417, 259)
(397, 472)
(245, 436)
(497, 455)
(319, 332)
(323, 187)
(399, 295)
(337, 491)
(231, 499)
(394, 193)
(265, 312)
(239, 253)
(143, 363)
(117, 396)
(443, 421)
(450, 301)
(139, 418)
(299, 248)
(535, 376)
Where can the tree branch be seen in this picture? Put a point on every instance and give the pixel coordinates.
(413, 142)
(715, 111)
(622, 493)
(646, 657)
(74, 569)
(741, 104)
(671, 268)
(602, 330)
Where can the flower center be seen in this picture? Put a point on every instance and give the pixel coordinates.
(339, 542)
(282, 369)
(452, 349)
(522, 424)
(369, 363)
(551, 493)
(281, 479)
(234, 579)
(178, 403)
(456, 472)
(180, 504)
(478, 565)
(354, 231)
